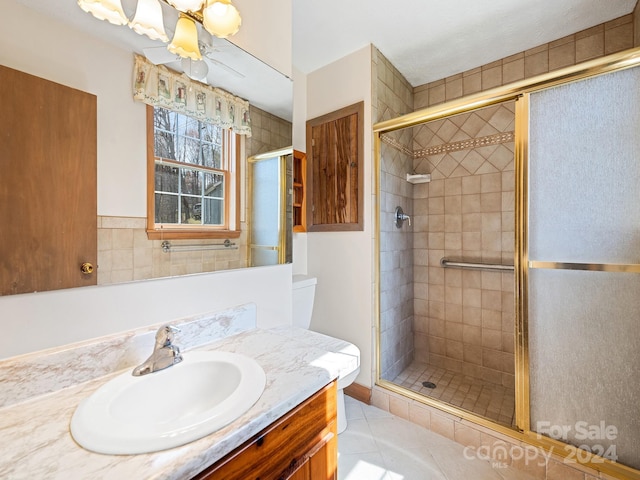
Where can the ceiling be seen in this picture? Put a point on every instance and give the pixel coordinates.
(425, 39)
(428, 40)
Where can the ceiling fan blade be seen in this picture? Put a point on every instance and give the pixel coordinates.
(159, 55)
(224, 66)
(209, 53)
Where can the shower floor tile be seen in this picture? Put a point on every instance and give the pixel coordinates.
(491, 401)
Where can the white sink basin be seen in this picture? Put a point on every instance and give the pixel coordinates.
(168, 408)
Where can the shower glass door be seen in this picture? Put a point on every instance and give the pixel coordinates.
(583, 265)
(270, 208)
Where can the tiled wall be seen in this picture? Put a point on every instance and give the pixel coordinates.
(466, 213)
(125, 253)
(394, 98)
(603, 39)
(268, 132)
(467, 323)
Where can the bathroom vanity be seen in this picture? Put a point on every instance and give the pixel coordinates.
(290, 432)
(302, 445)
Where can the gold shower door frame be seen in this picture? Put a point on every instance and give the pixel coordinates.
(519, 92)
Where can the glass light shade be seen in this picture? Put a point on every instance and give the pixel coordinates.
(195, 69)
(185, 40)
(221, 18)
(148, 20)
(109, 10)
(187, 5)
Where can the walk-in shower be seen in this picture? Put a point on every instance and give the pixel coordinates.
(447, 299)
(511, 300)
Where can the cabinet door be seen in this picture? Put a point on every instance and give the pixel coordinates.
(322, 462)
(48, 222)
(292, 448)
(302, 473)
(335, 170)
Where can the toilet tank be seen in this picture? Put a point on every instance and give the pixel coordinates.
(304, 289)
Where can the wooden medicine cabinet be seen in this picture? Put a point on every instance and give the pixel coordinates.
(334, 170)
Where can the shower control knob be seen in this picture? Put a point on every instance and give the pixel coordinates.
(401, 217)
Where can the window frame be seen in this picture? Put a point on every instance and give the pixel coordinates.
(231, 228)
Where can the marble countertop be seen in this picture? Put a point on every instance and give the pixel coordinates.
(35, 441)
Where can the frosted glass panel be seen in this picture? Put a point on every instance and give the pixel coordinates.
(265, 208)
(261, 258)
(584, 341)
(585, 171)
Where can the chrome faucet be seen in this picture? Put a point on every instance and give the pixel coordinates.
(164, 353)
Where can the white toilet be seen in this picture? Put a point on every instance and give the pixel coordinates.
(304, 289)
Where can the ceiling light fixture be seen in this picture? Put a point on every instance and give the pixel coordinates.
(109, 10)
(222, 17)
(185, 40)
(195, 69)
(218, 17)
(148, 20)
(186, 5)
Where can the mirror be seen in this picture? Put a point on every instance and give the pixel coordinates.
(124, 253)
(270, 220)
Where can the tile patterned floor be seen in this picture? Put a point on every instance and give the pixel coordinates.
(379, 446)
(487, 399)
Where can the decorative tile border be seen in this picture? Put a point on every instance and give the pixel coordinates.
(449, 147)
(395, 144)
(465, 144)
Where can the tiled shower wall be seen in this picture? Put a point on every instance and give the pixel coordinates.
(603, 39)
(465, 322)
(395, 98)
(125, 253)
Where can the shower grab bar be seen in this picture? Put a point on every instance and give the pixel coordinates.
(477, 266)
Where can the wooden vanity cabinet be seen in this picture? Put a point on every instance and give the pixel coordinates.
(301, 445)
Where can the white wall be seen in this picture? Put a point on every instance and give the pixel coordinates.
(46, 48)
(36, 321)
(342, 261)
(266, 32)
(300, 254)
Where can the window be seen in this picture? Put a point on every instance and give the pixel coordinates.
(192, 177)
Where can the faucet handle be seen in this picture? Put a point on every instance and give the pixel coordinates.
(165, 335)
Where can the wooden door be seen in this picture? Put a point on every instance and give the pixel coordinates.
(48, 154)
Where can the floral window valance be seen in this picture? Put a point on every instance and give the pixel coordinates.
(158, 86)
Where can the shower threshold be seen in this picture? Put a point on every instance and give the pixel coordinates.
(494, 402)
